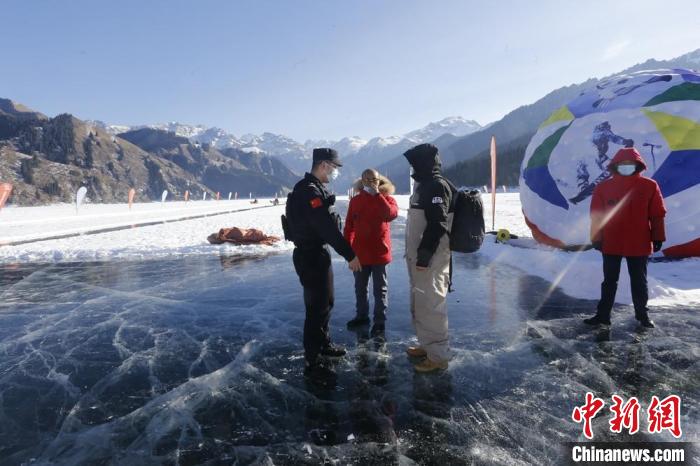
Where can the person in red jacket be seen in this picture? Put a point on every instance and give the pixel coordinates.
(367, 230)
(627, 221)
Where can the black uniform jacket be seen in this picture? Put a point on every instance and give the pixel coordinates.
(312, 218)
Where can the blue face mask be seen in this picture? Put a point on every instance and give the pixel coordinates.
(626, 170)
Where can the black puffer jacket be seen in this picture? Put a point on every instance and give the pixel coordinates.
(312, 219)
(433, 195)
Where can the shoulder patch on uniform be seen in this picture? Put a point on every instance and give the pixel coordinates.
(316, 202)
(437, 200)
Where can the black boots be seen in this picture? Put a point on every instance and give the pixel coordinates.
(378, 330)
(596, 320)
(646, 322)
(358, 322)
(320, 374)
(333, 351)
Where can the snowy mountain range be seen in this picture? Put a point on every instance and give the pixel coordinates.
(295, 154)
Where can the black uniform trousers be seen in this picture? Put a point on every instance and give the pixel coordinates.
(637, 268)
(313, 266)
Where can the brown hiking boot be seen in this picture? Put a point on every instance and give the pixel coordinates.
(416, 352)
(428, 365)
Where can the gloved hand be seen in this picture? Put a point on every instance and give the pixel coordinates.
(657, 245)
(598, 245)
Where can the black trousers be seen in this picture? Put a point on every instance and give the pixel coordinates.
(637, 268)
(313, 266)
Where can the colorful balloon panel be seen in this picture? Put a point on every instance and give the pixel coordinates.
(658, 112)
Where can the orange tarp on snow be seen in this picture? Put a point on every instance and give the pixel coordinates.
(237, 235)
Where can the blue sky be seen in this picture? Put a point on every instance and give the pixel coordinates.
(321, 69)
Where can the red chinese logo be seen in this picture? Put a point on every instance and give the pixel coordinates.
(665, 415)
(661, 415)
(587, 412)
(625, 415)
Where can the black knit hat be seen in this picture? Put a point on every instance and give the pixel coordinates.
(325, 154)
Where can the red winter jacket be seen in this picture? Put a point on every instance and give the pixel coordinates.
(627, 212)
(367, 224)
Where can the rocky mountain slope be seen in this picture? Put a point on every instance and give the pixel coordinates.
(47, 159)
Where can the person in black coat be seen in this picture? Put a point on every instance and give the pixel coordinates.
(312, 224)
(428, 256)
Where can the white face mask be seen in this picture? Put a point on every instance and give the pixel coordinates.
(333, 174)
(626, 170)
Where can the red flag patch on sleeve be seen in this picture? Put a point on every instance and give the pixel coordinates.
(316, 202)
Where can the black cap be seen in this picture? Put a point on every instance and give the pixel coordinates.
(326, 154)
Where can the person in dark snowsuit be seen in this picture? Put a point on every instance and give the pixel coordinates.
(313, 224)
(428, 257)
(627, 221)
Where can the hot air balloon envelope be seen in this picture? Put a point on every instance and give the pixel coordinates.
(658, 112)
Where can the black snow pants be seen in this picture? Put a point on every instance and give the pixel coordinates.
(637, 268)
(313, 266)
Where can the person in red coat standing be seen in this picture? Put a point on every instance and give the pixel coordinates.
(367, 230)
(627, 221)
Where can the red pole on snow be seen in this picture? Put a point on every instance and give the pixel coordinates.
(5, 191)
(493, 182)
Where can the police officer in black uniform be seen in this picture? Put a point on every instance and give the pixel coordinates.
(312, 224)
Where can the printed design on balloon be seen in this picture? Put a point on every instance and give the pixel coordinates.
(658, 112)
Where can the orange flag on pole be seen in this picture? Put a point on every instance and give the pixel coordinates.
(493, 182)
(218, 195)
(5, 191)
(187, 195)
(132, 194)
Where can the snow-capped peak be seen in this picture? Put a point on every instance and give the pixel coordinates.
(346, 146)
(455, 125)
(384, 141)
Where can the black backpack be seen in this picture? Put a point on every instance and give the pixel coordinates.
(468, 227)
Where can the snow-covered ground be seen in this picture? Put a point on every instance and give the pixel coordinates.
(576, 274)
(26, 223)
(170, 238)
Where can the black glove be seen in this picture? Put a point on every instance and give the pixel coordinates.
(598, 245)
(657, 245)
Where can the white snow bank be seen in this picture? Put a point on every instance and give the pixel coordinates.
(26, 223)
(579, 274)
(161, 240)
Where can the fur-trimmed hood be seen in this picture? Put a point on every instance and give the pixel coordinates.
(385, 185)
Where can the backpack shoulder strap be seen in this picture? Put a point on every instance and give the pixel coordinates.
(453, 190)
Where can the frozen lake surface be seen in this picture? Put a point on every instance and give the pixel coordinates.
(198, 360)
